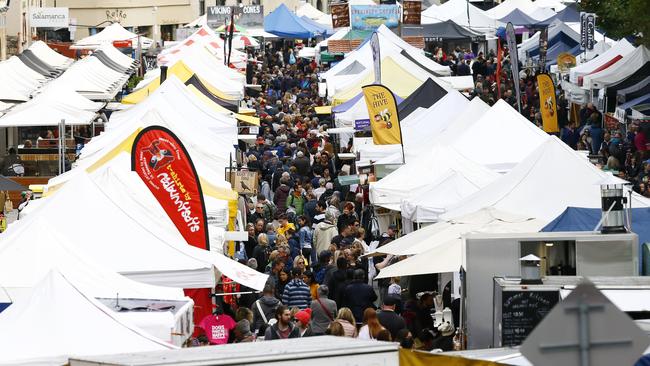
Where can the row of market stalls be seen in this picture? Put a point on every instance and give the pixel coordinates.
(98, 251)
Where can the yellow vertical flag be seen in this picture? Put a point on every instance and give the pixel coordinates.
(382, 110)
(547, 105)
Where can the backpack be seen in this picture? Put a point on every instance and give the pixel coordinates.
(16, 169)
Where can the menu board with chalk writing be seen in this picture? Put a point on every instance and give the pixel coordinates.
(521, 311)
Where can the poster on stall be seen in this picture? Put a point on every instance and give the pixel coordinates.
(340, 15)
(247, 16)
(543, 47)
(384, 119)
(547, 104)
(412, 12)
(165, 167)
(370, 17)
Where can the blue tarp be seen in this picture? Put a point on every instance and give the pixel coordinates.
(560, 37)
(322, 30)
(517, 17)
(568, 15)
(585, 219)
(285, 24)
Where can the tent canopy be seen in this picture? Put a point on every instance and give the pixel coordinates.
(618, 50)
(626, 67)
(59, 307)
(425, 96)
(284, 23)
(506, 7)
(457, 10)
(527, 189)
(518, 17)
(586, 219)
(309, 11)
(568, 15)
(7, 184)
(446, 30)
(110, 34)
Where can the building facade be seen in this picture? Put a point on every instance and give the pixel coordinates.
(156, 19)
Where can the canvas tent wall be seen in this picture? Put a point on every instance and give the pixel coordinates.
(526, 189)
(58, 307)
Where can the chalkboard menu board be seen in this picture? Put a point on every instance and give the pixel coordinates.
(521, 311)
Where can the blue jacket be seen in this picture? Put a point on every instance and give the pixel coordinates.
(296, 293)
(306, 235)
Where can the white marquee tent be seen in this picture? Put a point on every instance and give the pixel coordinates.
(74, 323)
(508, 6)
(308, 10)
(627, 66)
(620, 49)
(49, 56)
(110, 34)
(389, 44)
(535, 188)
(438, 248)
(456, 10)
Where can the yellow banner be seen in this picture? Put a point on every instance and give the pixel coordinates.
(547, 105)
(382, 110)
(417, 358)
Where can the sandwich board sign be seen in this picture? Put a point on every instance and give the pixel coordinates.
(585, 329)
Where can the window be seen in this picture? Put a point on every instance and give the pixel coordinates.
(201, 7)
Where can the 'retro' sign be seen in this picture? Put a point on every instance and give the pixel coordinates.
(165, 167)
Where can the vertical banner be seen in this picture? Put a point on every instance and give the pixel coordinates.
(230, 35)
(164, 165)
(498, 71)
(382, 110)
(514, 61)
(411, 12)
(376, 57)
(340, 15)
(547, 105)
(543, 47)
(583, 31)
(590, 32)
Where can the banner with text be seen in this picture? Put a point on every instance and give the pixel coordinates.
(340, 15)
(164, 165)
(49, 17)
(247, 16)
(384, 119)
(547, 105)
(370, 17)
(587, 30)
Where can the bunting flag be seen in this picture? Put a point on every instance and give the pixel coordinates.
(164, 165)
(384, 119)
(547, 105)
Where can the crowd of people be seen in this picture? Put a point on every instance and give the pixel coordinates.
(309, 232)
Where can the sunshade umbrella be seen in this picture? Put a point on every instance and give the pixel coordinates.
(238, 29)
(242, 41)
(7, 184)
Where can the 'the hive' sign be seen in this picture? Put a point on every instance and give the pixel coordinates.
(49, 17)
(165, 167)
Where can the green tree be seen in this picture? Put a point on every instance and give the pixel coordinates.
(621, 18)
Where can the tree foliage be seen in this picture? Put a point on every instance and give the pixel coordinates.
(621, 18)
